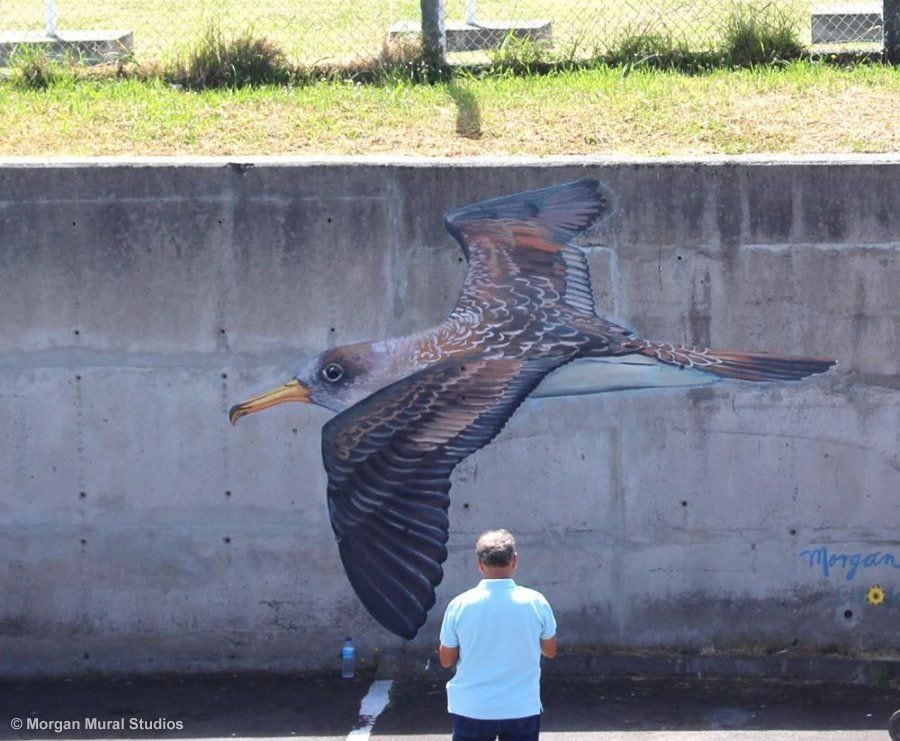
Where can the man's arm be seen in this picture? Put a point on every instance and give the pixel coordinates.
(449, 656)
(548, 647)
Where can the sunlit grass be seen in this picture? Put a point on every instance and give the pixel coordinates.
(802, 107)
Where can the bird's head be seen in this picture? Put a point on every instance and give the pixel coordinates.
(335, 379)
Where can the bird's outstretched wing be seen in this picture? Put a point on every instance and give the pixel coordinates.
(389, 460)
(526, 235)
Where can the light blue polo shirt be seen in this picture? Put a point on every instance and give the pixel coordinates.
(498, 627)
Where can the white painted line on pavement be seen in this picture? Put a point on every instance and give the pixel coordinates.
(370, 708)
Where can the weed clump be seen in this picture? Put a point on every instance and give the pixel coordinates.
(34, 69)
(520, 55)
(760, 34)
(752, 35)
(219, 62)
(635, 50)
(401, 60)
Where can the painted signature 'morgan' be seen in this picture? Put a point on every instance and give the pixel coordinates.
(821, 558)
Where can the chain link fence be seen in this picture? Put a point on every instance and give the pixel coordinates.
(336, 31)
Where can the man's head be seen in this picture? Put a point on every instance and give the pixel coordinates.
(496, 551)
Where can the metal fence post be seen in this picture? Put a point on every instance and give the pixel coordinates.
(470, 13)
(51, 17)
(891, 18)
(433, 40)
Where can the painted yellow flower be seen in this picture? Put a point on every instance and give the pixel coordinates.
(875, 595)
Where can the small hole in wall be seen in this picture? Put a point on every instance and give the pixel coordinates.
(679, 257)
(224, 375)
(222, 331)
(459, 259)
(85, 656)
(294, 430)
(331, 329)
(226, 539)
(83, 541)
(328, 219)
(793, 531)
(77, 332)
(848, 614)
(227, 493)
(82, 494)
(465, 505)
(78, 377)
(684, 502)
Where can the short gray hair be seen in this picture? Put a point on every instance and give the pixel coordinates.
(496, 548)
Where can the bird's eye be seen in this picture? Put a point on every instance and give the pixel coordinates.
(332, 372)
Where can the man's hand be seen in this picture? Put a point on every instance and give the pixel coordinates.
(548, 647)
(448, 656)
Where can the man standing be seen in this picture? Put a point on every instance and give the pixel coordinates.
(497, 631)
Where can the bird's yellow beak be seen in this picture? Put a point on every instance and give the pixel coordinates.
(293, 390)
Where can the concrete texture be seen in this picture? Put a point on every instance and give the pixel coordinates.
(846, 22)
(140, 532)
(86, 47)
(460, 36)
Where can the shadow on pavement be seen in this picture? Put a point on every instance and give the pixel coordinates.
(266, 705)
(196, 706)
(621, 704)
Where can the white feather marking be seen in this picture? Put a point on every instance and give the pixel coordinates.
(598, 375)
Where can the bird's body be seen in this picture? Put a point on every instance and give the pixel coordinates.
(411, 408)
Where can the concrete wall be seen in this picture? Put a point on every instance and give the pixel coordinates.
(139, 300)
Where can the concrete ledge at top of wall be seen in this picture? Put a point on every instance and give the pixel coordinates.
(586, 661)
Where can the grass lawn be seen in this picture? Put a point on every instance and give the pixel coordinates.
(800, 108)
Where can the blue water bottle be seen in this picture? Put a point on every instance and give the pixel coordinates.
(348, 659)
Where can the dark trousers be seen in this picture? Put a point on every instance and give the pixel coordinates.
(508, 729)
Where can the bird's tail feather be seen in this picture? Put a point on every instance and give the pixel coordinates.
(745, 366)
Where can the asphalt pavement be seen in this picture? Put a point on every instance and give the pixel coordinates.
(414, 709)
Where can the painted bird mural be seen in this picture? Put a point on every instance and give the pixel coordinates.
(409, 409)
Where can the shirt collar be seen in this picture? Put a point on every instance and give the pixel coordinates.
(497, 583)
